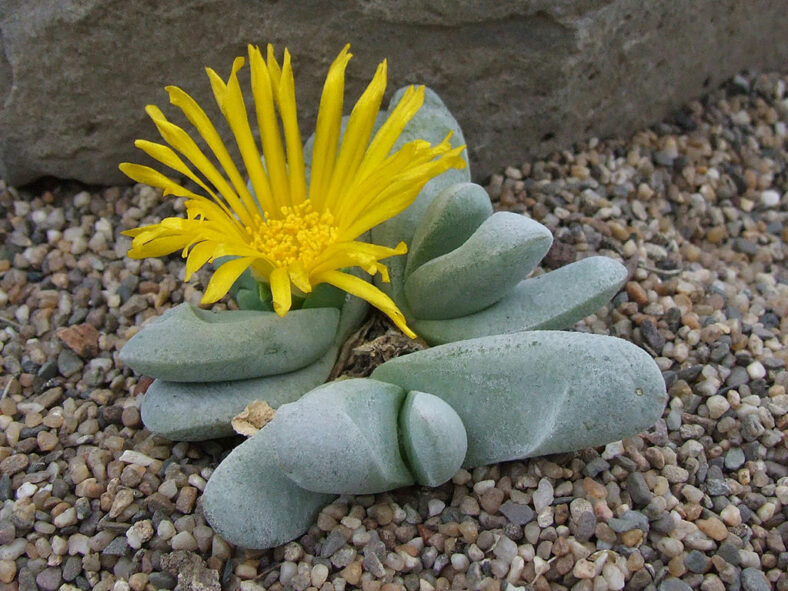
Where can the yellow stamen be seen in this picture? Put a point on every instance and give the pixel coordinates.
(300, 234)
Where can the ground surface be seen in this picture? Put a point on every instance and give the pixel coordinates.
(696, 208)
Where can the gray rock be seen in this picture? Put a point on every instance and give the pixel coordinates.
(734, 458)
(499, 254)
(585, 526)
(696, 561)
(674, 584)
(334, 541)
(596, 466)
(162, 580)
(638, 490)
(753, 579)
(505, 549)
(517, 513)
(187, 344)
(730, 553)
(342, 438)
(68, 363)
(197, 411)
(449, 221)
(536, 393)
(71, 568)
(117, 547)
(250, 502)
(572, 70)
(432, 437)
(554, 300)
(628, 521)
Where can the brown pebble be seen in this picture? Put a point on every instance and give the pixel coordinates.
(8, 407)
(83, 339)
(636, 293)
(130, 417)
(352, 572)
(89, 488)
(491, 500)
(716, 234)
(13, 464)
(158, 502)
(676, 566)
(186, 499)
(381, 513)
(7, 571)
(47, 441)
(713, 527)
(632, 538)
(594, 489)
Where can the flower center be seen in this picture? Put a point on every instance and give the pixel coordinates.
(300, 234)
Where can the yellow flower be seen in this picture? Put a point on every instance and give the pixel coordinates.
(292, 236)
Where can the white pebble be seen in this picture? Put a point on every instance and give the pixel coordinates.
(435, 507)
(134, 457)
(459, 562)
(78, 544)
(28, 489)
(717, 405)
(81, 199)
(770, 198)
(139, 533)
(319, 575)
(287, 571)
(483, 486)
(756, 370)
(66, 518)
(59, 545)
(613, 577)
(184, 541)
(166, 529)
(544, 495)
(612, 450)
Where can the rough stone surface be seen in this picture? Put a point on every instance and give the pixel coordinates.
(433, 438)
(560, 70)
(342, 438)
(500, 254)
(250, 502)
(196, 411)
(449, 221)
(191, 345)
(554, 300)
(546, 393)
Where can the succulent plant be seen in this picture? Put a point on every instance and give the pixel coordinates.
(500, 382)
(422, 416)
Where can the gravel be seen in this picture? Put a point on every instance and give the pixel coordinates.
(694, 206)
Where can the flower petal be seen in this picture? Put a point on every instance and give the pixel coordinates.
(231, 102)
(207, 131)
(295, 150)
(389, 132)
(356, 138)
(269, 127)
(366, 291)
(223, 279)
(200, 254)
(181, 141)
(280, 290)
(329, 121)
